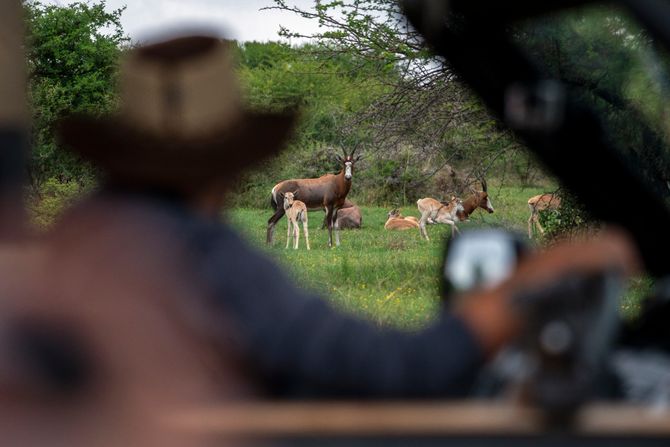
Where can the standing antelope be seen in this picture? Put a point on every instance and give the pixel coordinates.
(539, 203)
(295, 211)
(479, 199)
(327, 192)
(397, 221)
(440, 212)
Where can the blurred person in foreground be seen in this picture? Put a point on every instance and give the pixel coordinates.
(179, 142)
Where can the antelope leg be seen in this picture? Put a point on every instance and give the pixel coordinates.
(288, 230)
(329, 216)
(271, 225)
(422, 226)
(296, 233)
(337, 228)
(306, 230)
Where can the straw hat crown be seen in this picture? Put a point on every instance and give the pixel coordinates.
(184, 88)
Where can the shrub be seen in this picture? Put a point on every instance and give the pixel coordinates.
(53, 197)
(569, 220)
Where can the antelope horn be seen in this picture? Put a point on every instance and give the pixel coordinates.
(483, 180)
(344, 151)
(354, 151)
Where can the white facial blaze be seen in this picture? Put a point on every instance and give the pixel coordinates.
(488, 204)
(459, 207)
(347, 170)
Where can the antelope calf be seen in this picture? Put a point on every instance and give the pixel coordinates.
(440, 212)
(295, 211)
(539, 203)
(397, 222)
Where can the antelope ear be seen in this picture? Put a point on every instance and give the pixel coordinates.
(339, 158)
(295, 193)
(358, 157)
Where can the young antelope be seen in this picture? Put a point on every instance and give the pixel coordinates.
(296, 211)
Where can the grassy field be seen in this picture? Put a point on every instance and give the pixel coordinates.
(388, 277)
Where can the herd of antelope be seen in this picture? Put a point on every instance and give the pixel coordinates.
(295, 197)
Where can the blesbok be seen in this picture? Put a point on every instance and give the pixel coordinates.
(439, 212)
(349, 216)
(539, 203)
(479, 199)
(327, 192)
(398, 222)
(296, 211)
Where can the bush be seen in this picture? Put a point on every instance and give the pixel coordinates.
(566, 222)
(53, 197)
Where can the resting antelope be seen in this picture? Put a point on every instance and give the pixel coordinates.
(349, 216)
(440, 212)
(327, 192)
(397, 221)
(539, 203)
(296, 211)
(479, 199)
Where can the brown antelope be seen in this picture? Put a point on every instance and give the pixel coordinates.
(398, 222)
(539, 203)
(327, 192)
(349, 216)
(439, 212)
(296, 211)
(479, 199)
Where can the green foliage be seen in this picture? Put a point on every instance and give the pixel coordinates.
(72, 60)
(419, 117)
(568, 220)
(54, 197)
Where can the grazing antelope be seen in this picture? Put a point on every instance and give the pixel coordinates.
(479, 199)
(397, 222)
(440, 212)
(327, 192)
(296, 211)
(539, 203)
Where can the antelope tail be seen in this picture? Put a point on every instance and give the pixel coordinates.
(273, 199)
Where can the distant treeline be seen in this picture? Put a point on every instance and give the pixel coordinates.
(347, 100)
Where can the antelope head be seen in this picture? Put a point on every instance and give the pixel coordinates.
(393, 213)
(348, 163)
(289, 198)
(484, 201)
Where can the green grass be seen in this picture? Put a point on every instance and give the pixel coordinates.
(389, 277)
(392, 278)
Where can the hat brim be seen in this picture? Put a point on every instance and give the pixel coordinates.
(136, 158)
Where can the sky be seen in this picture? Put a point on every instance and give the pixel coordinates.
(237, 19)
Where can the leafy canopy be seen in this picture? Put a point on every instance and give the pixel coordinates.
(72, 59)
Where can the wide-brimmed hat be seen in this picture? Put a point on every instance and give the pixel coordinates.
(181, 121)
